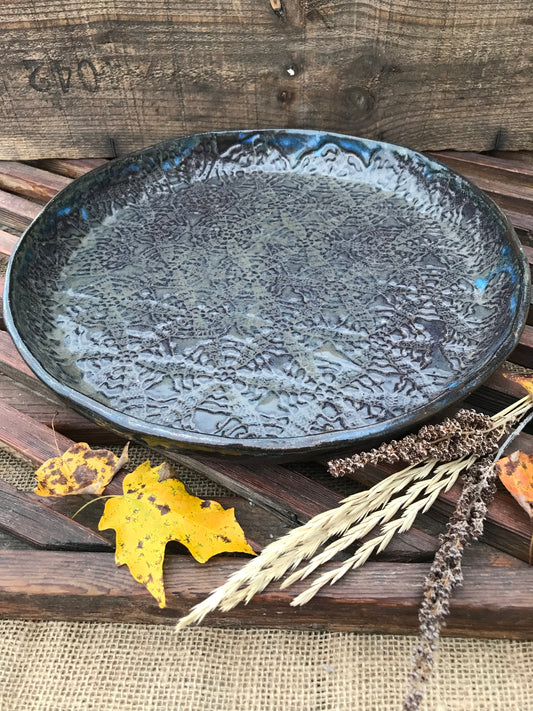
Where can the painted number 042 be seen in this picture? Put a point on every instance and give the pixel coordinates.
(47, 76)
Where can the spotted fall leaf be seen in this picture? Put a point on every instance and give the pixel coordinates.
(516, 474)
(526, 381)
(155, 509)
(79, 470)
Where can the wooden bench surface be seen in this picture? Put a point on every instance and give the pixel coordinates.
(52, 567)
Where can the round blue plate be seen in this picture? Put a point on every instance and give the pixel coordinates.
(267, 292)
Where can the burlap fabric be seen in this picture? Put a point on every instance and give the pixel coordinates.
(56, 666)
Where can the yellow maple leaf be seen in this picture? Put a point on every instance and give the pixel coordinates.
(79, 470)
(155, 509)
(526, 381)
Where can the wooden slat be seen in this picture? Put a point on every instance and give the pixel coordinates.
(288, 493)
(7, 243)
(516, 199)
(27, 439)
(33, 521)
(17, 212)
(292, 495)
(469, 163)
(13, 365)
(525, 157)
(523, 353)
(70, 168)
(34, 443)
(522, 222)
(508, 182)
(496, 601)
(44, 407)
(30, 182)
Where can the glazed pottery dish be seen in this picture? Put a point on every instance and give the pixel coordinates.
(272, 292)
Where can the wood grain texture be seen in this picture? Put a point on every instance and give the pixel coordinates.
(70, 168)
(523, 353)
(7, 243)
(17, 212)
(29, 181)
(29, 519)
(2, 285)
(86, 79)
(53, 413)
(381, 597)
(13, 365)
(27, 439)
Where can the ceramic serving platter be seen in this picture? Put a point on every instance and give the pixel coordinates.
(267, 292)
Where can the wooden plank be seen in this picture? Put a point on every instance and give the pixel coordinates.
(13, 365)
(30, 182)
(278, 489)
(259, 525)
(411, 74)
(508, 182)
(468, 163)
(380, 597)
(68, 167)
(7, 243)
(523, 353)
(33, 521)
(510, 196)
(44, 407)
(522, 222)
(523, 157)
(287, 493)
(17, 212)
(27, 439)
(34, 443)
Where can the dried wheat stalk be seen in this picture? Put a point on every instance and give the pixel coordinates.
(443, 479)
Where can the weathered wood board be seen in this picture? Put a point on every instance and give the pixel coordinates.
(89, 78)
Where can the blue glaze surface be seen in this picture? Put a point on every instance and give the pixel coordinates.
(267, 292)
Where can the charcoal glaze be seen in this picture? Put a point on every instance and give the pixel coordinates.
(268, 292)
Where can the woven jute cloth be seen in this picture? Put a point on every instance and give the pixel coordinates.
(56, 666)
(59, 666)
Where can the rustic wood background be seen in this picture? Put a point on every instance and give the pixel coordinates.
(87, 78)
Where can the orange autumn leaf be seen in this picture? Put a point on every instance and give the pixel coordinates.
(526, 381)
(516, 474)
(156, 509)
(79, 470)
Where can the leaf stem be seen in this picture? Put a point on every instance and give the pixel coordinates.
(98, 498)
